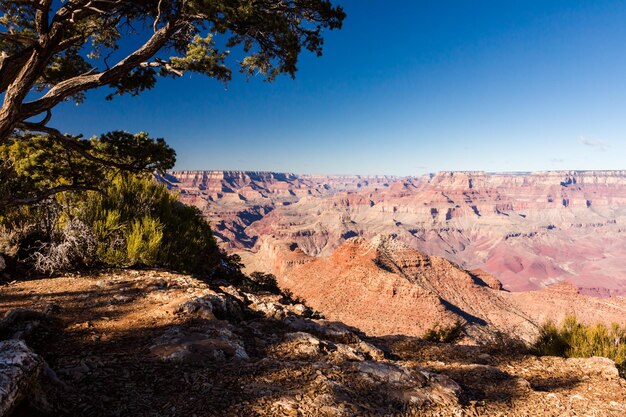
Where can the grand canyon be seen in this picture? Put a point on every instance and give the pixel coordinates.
(530, 230)
(485, 278)
(398, 255)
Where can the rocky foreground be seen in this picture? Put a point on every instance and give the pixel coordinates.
(152, 343)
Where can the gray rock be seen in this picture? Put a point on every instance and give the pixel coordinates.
(348, 353)
(20, 370)
(385, 372)
(216, 344)
(372, 351)
(337, 332)
(415, 387)
(211, 306)
(305, 343)
(597, 365)
(270, 310)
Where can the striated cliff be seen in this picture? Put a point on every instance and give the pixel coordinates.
(386, 288)
(529, 230)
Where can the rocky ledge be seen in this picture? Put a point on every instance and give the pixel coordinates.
(154, 343)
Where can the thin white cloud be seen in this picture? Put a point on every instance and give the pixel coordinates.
(593, 143)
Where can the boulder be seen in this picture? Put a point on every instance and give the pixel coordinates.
(211, 306)
(597, 365)
(372, 351)
(304, 343)
(215, 344)
(20, 370)
(348, 353)
(418, 387)
(385, 372)
(270, 310)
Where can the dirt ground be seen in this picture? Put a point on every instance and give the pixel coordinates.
(126, 343)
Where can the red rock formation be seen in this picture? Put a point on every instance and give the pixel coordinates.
(528, 230)
(385, 288)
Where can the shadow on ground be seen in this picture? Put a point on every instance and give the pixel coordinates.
(102, 351)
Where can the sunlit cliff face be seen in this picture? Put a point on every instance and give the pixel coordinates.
(529, 230)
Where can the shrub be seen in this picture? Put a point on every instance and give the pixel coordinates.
(445, 334)
(134, 222)
(573, 339)
(140, 223)
(550, 342)
(73, 245)
(143, 242)
(266, 282)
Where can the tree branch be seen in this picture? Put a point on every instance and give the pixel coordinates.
(11, 66)
(71, 143)
(17, 38)
(41, 20)
(159, 63)
(74, 85)
(46, 194)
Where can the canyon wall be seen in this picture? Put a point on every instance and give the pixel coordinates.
(529, 230)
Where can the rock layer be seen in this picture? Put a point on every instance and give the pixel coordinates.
(386, 288)
(529, 230)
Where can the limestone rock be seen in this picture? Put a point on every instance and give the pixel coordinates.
(215, 344)
(211, 306)
(20, 370)
(270, 310)
(385, 372)
(415, 387)
(597, 365)
(372, 351)
(304, 343)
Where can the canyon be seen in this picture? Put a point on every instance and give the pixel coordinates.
(530, 230)
(399, 255)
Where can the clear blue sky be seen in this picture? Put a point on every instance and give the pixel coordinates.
(408, 87)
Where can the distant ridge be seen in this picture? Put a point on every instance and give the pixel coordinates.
(619, 172)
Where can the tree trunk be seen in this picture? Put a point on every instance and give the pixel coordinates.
(24, 79)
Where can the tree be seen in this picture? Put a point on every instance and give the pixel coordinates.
(52, 51)
(35, 167)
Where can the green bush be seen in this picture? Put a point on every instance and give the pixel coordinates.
(445, 334)
(262, 281)
(573, 339)
(551, 341)
(134, 222)
(143, 242)
(138, 222)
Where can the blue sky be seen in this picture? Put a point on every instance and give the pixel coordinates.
(407, 87)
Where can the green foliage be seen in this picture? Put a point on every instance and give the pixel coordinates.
(41, 166)
(138, 222)
(574, 339)
(144, 241)
(135, 221)
(550, 342)
(260, 281)
(445, 334)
